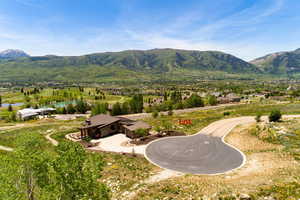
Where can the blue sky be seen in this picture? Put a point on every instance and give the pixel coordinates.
(244, 28)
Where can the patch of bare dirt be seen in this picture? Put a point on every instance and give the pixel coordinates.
(242, 139)
(265, 161)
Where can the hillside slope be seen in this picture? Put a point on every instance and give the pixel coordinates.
(281, 63)
(125, 65)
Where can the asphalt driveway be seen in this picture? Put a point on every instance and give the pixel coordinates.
(200, 154)
(203, 153)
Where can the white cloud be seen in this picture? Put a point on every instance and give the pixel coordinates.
(157, 40)
(242, 20)
(277, 6)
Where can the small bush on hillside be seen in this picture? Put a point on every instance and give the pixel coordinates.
(141, 132)
(70, 109)
(226, 113)
(166, 125)
(12, 117)
(275, 116)
(87, 139)
(148, 109)
(157, 129)
(258, 117)
(170, 112)
(155, 114)
(288, 190)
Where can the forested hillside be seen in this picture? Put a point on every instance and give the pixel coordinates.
(156, 64)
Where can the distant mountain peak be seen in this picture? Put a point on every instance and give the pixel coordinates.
(297, 50)
(285, 62)
(13, 53)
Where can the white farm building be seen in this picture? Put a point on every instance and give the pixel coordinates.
(29, 113)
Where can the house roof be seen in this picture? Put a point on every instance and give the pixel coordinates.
(101, 120)
(104, 120)
(232, 96)
(27, 115)
(137, 125)
(28, 112)
(124, 119)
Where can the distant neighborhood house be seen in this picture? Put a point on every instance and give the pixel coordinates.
(30, 113)
(279, 98)
(230, 98)
(104, 125)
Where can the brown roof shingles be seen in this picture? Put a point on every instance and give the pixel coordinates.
(101, 120)
(104, 120)
(137, 125)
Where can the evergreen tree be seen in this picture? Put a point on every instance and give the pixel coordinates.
(100, 108)
(137, 103)
(81, 107)
(70, 109)
(165, 96)
(10, 108)
(125, 108)
(64, 111)
(176, 97)
(116, 109)
(212, 100)
(194, 101)
(13, 117)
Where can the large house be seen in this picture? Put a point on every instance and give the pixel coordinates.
(104, 125)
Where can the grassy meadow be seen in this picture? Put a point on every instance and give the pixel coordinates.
(200, 119)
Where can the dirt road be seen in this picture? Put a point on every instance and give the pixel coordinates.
(3, 148)
(51, 140)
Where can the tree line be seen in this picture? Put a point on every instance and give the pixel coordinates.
(135, 105)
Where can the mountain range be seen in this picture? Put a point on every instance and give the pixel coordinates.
(12, 54)
(280, 63)
(138, 65)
